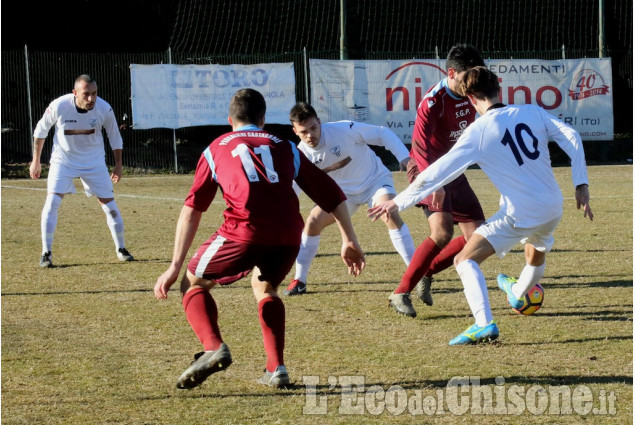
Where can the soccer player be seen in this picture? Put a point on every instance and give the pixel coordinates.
(261, 233)
(341, 149)
(509, 143)
(442, 116)
(78, 151)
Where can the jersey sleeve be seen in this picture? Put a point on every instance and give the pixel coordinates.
(441, 172)
(382, 136)
(569, 140)
(203, 189)
(112, 130)
(45, 123)
(318, 185)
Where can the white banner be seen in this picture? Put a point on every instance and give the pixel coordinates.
(387, 92)
(175, 96)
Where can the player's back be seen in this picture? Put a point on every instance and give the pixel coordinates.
(255, 171)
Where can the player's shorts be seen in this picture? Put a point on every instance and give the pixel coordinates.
(460, 200)
(225, 261)
(383, 185)
(501, 232)
(96, 180)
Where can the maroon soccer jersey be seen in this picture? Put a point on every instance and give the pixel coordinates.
(441, 119)
(255, 170)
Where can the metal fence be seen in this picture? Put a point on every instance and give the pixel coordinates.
(31, 79)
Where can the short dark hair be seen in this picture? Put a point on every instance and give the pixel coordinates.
(86, 78)
(481, 83)
(248, 106)
(463, 56)
(301, 112)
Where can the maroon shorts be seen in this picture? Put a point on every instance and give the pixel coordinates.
(460, 201)
(225, 261)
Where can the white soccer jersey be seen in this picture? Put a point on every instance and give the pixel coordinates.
(510, 146)
(344, 154)
(78, 139)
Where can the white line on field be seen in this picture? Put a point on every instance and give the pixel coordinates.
(120, 195)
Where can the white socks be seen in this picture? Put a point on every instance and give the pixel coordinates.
(402, 241)
(529, 277)
(49, 220)
(475, 290)
(308, 249)
(115, 223)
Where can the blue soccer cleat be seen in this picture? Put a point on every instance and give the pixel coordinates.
(505, 283)
(475, 334)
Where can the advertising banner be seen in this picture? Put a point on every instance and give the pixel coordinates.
(176, 96)
(387, 92)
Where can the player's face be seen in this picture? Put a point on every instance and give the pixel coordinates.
(85, 95)
(309, 131)
(454, 80)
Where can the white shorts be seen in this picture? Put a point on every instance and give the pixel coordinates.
(500, 231)
(381, 186)
(96, 180)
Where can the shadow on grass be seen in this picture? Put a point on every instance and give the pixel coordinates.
(577, 341)
(325, 389)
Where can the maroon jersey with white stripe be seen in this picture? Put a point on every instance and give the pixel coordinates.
(255, 170)
(441, 119)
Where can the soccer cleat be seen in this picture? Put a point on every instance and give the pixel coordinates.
(423, 290)
(402, 304)
(505, 283)
(205, 363)
(279, 378)
(475, 334)
(46, 260)
(124, 255)
(296, 287)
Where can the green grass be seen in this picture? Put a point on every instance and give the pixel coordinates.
(87, 342)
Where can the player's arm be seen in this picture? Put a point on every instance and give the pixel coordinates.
(570, 141)
(186, 228)
(116, 144)
(35, 169)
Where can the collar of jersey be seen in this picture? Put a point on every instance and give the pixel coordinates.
(249, 127)
(444, 83)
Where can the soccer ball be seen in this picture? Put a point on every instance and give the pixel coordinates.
(533, 301)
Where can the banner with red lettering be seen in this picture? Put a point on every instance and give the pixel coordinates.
(387, 92)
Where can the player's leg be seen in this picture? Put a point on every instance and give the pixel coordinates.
(59, 182)
(273, 264)
(202, 315)
(397, 230)
(217, 261)
(467, 263)
(97, 182)
(317, 220)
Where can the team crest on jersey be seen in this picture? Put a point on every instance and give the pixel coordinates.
(93, 122)
(336, 151)
(431, 102)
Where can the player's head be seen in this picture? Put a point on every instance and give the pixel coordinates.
(480, 83)
(85, 91)
(461, 58)
(306, 124)
(247, 106)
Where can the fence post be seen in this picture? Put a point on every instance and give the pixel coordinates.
(305, 65)
(601, 28)
(28, 93)
(564, 56)
(176, 158)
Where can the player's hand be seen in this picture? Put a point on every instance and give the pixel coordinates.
(582, 199)
(353, 257)
(403, 165)
(384, 208)
(437, 198)
(117, 171)
(35, 170)
(165, 281)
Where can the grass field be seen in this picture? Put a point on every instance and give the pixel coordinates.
(87, 343)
